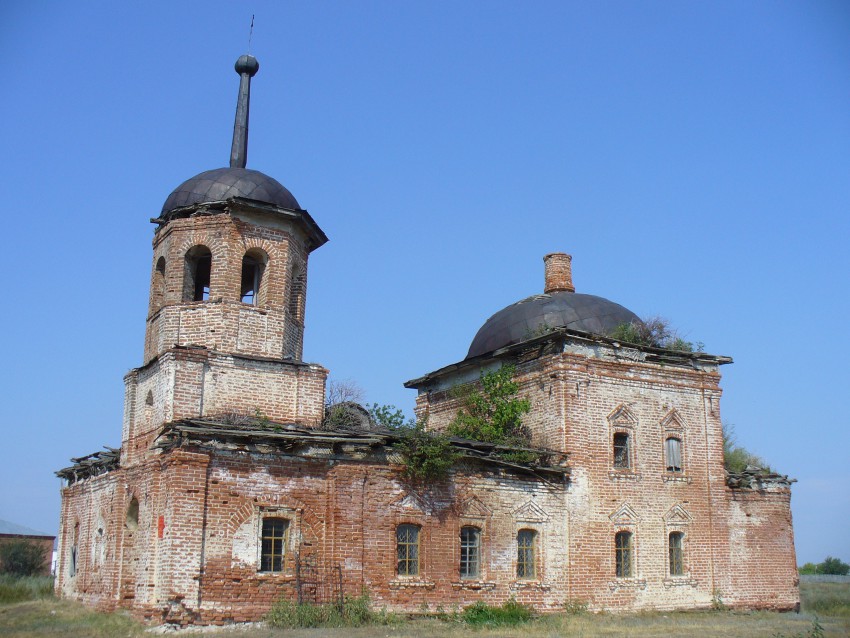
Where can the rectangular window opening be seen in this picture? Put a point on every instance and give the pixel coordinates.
(407, 548)
(677, 563)
(621, 451)
(525, 554)
(274, 538)
(673, 454)
(623, 550)
(470, 552)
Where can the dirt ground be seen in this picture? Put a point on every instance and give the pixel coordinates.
(64, 619)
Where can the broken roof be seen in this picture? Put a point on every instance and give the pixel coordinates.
(250, 434)
(543, 344)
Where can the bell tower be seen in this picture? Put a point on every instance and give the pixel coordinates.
(225, 325)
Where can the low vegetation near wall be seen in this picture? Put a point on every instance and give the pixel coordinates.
(825, 613)
(14, 589)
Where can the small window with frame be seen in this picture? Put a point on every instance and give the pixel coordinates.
(622, 451)
(407, 550)
(624, 554)
(470, 552)
(673, 454)
(675, 545)
(274, 538)
(526, 543)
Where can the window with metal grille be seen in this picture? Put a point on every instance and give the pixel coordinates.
(677, 558)
(470, 552)
(673, 454)
(274, 537)
(621, 450)
(407, 549)
(623, 550)
(525, 553)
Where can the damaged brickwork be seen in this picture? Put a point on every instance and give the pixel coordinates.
(229, 491)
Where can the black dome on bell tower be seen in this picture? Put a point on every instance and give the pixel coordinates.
(236, 180)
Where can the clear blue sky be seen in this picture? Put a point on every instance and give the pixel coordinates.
(693, 157)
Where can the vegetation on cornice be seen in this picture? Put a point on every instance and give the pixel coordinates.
(654, 332)
(493, 413)
(737, 459)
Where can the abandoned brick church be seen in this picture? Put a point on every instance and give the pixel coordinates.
(230, 491)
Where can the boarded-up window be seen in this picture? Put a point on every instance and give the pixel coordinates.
(407, 550)
(274, 537)
(624, 554)
(525, 543)
(621, 450)
(470, 552)
(677, 561)
(673, 454)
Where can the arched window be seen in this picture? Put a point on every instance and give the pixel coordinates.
(624, 554)
(673, 454)
(525, 544)
(407, 549)
(133, 514)
(677, 556)
(196, 283)
(470, 552)
(253, 266)
(158, 285)
(274, 536)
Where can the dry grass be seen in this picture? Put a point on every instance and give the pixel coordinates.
(63, 619)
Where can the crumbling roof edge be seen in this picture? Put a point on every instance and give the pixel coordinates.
(178, 432)
(757, 478)
(317, 235)
(658, 355)
(93, 464)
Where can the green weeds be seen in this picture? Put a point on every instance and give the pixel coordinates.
(15, 589)
(355, 612)
(507, 614)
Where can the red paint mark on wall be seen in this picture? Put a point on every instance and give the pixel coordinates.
(160, 527)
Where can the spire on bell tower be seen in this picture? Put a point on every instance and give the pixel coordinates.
(247, 67)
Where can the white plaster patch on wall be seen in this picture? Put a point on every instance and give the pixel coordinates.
(353, 564)
(579, 502)
(244, 552)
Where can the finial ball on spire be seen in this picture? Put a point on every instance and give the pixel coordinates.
(247, 64)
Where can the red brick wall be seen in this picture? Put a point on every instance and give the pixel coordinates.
(269, 328)
(579, 399)
(763, 567)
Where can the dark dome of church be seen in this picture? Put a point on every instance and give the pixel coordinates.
(536, 314)
(223, 183)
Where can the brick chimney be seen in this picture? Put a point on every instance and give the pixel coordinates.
(559, 273)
